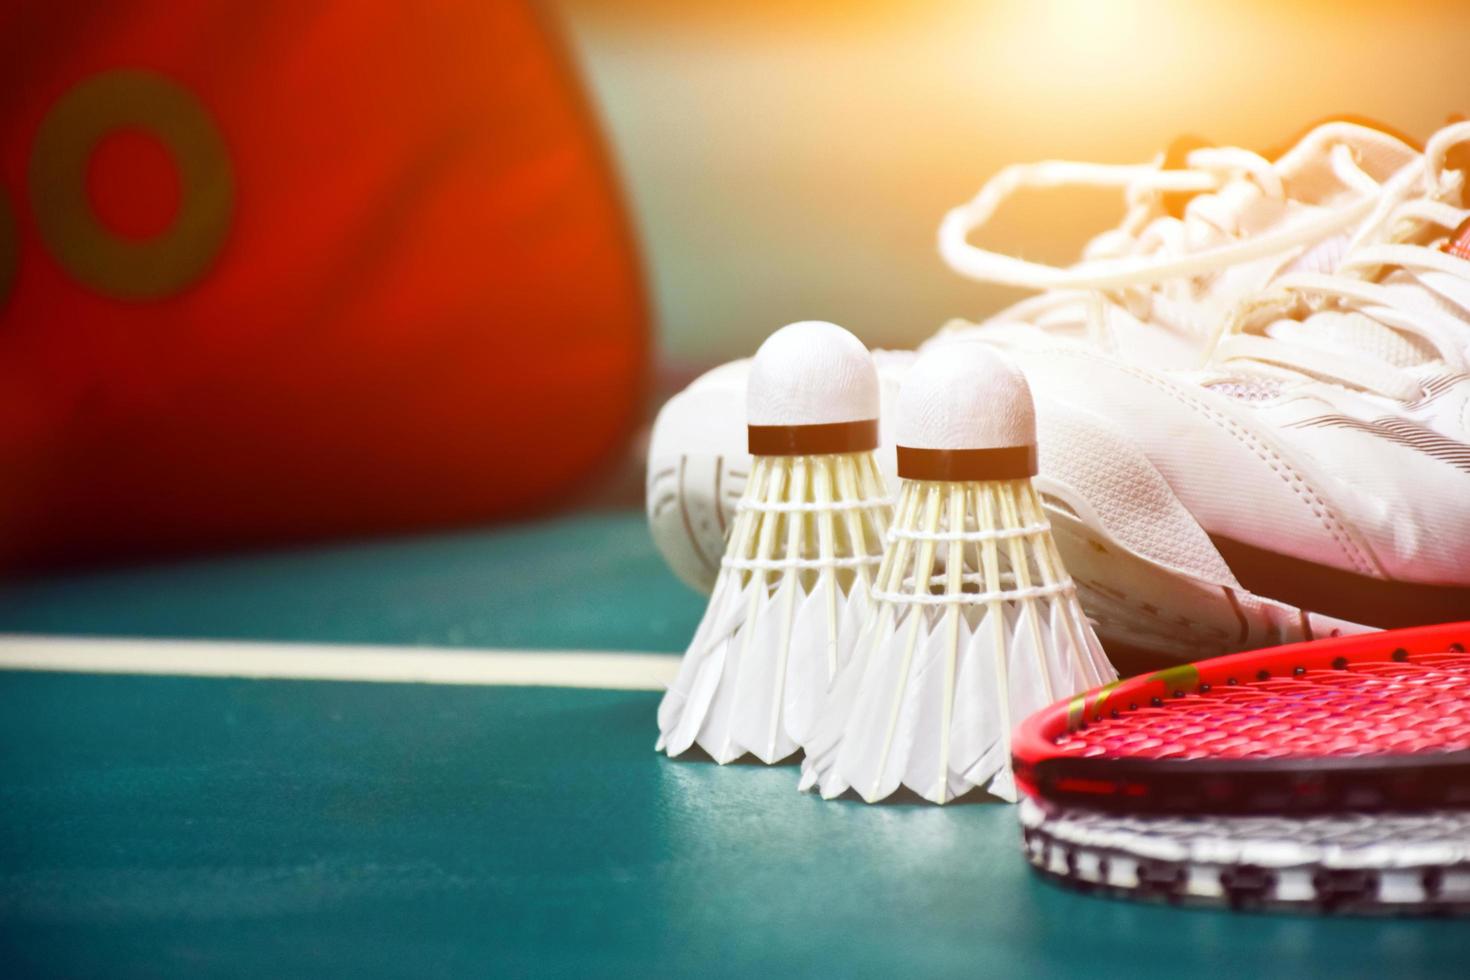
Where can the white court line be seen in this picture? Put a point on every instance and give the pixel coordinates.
(333, 662)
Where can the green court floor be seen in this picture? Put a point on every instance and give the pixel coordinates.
(184, 826)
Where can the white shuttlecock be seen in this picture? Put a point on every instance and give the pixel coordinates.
(974, 622)
(806, 537)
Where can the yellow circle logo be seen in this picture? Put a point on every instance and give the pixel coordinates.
(130, 268)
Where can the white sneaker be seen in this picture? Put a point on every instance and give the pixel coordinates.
(1246, 220)
(1315, 475)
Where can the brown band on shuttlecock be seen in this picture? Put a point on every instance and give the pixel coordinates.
(813, 440)
(1001, 463)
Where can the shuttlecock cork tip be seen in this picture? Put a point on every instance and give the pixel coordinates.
(965, 413)
(813, 388)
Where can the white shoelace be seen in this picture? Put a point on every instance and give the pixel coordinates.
(1395, 273)
(1148, 247)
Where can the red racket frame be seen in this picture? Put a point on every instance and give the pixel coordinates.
(1280, 785)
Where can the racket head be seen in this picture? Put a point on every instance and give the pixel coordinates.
(1363, 864)
(1367, 722)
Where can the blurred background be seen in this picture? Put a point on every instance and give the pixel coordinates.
(790, 160)
(279, 271)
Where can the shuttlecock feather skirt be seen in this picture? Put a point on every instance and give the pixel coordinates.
(975, 624)
(787, 606)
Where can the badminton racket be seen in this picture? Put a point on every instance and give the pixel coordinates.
(1331, 776)
(1367, 722)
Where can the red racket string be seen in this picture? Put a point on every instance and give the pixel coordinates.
(1349, 710)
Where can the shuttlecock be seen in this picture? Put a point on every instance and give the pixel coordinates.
(807, 535)
(974, 622)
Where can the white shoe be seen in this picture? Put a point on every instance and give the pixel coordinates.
(1247, 219)
(1316, 474)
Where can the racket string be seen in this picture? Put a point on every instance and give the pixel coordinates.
(1361, 709)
